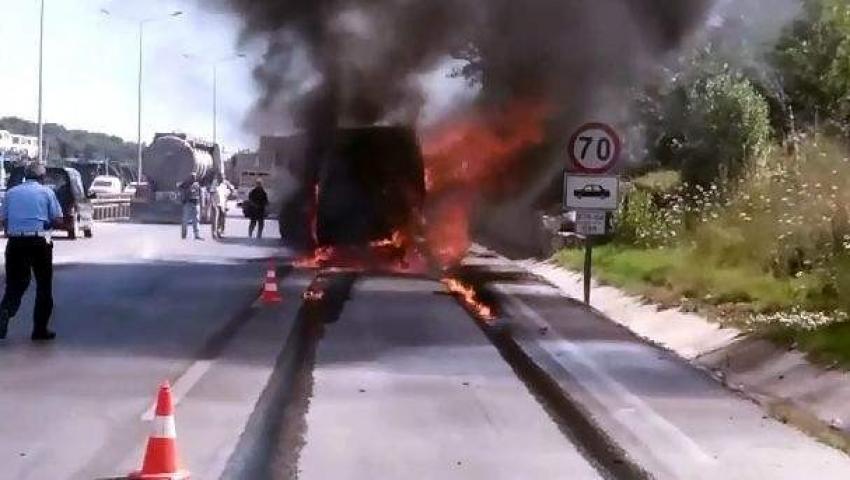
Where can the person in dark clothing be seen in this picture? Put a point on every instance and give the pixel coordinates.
(29, 212)
(258, 201)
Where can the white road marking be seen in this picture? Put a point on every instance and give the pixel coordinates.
(192, 376)
(669, 443)
(182, 385)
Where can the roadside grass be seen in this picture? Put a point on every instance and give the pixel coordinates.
(731, 295)
(682, 274)
(829, 345)
(629, 268)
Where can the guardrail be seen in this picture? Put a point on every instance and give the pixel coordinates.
(112, 207)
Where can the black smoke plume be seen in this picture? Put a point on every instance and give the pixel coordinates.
(354, 62)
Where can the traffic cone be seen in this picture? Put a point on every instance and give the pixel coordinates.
(270, 293)
(160, 462)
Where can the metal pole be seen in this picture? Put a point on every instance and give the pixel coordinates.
(139, 132)
(588, 258)
(41, 86)
(215, 103)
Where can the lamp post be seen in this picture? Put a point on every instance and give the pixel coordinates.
(142, 24)
(41, 85)
(215, 65)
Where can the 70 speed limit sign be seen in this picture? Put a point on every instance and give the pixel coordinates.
(594, 148)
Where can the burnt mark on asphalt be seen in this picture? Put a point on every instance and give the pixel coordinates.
(219, 340)
(271, 445)
(326, 295)
(571, 417)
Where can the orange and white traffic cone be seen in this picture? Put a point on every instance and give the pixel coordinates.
(270, 292)
(160, 462)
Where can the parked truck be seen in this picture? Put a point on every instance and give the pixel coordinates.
(169, 160)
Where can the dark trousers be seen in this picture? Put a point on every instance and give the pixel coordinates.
(258, 223)
(25, 257)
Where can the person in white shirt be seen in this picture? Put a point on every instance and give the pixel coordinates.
(219, 195)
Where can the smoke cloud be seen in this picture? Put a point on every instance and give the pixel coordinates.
(356, 62)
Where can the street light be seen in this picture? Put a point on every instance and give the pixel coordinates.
(142, 24)
(215, 65)
(40, 86)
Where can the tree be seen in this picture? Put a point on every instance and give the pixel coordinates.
(814, 57)
(63, 143)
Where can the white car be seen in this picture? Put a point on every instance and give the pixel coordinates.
(105, 185)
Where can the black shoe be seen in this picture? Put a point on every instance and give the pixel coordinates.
(4, 324)
(44, 336)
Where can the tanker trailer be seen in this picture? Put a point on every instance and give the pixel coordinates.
(168, 161)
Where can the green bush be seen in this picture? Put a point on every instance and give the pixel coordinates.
(728, 126)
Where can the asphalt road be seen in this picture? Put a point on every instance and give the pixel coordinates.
(135, 305)
(672, 420)
(384, 377)
(406, 386)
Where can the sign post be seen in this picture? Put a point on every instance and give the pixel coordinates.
(589, 189)
(588, 262)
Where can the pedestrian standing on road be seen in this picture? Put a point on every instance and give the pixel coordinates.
(220, 195)
(29, 212)
(258, 201)
(190, 197)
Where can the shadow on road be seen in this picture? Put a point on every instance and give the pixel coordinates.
(250, 242)
(158, 309)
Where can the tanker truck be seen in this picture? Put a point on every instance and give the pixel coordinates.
(169, 160)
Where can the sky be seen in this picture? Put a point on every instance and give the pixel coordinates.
(91, 69)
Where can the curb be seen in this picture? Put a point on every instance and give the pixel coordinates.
(782, 409)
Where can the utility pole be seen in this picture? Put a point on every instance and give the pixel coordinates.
(140, 84)
(215, 103)
(215, 65)
(41, 86)
(139, 110)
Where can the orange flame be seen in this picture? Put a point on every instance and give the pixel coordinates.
(320, 257)
(462, 158)
(469, 298)
(396, 240)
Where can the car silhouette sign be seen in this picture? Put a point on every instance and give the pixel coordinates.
(591, 192)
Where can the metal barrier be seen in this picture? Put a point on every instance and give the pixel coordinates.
(112, 207)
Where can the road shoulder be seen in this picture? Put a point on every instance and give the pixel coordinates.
(780, 380)
(669, 416)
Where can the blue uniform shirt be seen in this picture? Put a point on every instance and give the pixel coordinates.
(30, 207)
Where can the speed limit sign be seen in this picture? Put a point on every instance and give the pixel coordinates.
(595, 148)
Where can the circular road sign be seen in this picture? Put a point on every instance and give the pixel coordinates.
(595, 148)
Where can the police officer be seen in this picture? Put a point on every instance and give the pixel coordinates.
(30, 211)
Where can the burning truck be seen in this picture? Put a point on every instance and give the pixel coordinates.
(354, 197)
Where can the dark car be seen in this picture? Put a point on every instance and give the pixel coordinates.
(592, 191)
(68, 185)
